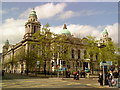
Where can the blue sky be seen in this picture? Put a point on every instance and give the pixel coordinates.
(82, 18)
(104, 13)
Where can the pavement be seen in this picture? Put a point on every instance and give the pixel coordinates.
(42, 81)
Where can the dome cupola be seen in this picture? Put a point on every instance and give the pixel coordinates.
(105, 31)
(7, 42)
(65, 30)
(33, 13)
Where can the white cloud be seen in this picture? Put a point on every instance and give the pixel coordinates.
(67, 14)
(78, 30)
(46, 11)
(113, 31)
(58, 11)
(85, 30)
(13, 30)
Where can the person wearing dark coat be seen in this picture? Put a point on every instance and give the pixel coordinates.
(77, 76)
(110, 77)
(82, 73)
(100, 78)
(116, 76)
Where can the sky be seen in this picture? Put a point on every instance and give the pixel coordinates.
(82, 18)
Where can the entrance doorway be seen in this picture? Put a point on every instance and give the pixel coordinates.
(85, 65)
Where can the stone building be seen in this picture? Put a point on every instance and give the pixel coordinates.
(76, 60)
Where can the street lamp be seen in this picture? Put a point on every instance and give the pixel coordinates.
(101, 45)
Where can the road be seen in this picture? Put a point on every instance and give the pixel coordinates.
(18, 81)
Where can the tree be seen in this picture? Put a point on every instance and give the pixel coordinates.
(92, 49)
(109, 52)
(43, 45)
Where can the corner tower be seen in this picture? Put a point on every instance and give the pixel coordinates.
(32, 25)
(105, 37)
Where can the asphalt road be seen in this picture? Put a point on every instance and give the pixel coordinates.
(18, 81)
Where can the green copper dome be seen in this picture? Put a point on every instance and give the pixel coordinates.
(65, 30)
(7, 42)
(105, 31)
(33, 13)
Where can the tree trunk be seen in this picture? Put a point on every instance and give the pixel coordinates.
(45, 67)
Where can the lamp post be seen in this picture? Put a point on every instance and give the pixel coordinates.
(100, 45)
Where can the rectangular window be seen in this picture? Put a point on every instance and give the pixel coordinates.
(85, 54)
(96, 56)
(63, 63)
(78, 54)
(34, 29)
(72, 53)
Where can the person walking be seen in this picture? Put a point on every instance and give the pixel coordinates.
(75, 73)
(82, 73)
(68, 74)
(77, 76)
(100, 78)
(116, 75)
(110, 77)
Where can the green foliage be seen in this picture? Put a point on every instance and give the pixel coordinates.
(91, 46)
(106, 53)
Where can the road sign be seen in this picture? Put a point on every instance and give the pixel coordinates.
(62, 69)
(107, 63)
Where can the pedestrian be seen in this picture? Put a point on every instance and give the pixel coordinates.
(68, 74)
(82, 73)
(112, 68)
(100, 78)
(75, 73)
(110, 77)
(77, 76)
(116, 75)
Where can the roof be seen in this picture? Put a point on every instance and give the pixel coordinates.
(105, 31)
(6, 42)
(65, 30)
(32, 13)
